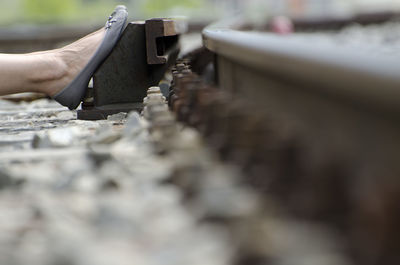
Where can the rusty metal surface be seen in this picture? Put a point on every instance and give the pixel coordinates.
(322, 143)
(161, 36)
(323, 165)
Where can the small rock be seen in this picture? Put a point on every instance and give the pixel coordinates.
(134, 124)
(105, 135)
(59, 137)
(119, 117)
(66, 115)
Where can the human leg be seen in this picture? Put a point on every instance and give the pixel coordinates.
(63, 73)
(46, 72)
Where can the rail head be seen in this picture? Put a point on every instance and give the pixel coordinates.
(330, 69)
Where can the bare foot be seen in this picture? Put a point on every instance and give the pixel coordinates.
(68, 61)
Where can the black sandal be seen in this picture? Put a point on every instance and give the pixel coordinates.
(72, 95)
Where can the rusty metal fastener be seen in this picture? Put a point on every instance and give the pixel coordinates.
(180, 67)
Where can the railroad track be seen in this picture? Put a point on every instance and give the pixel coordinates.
(313, 125)
(308, 140)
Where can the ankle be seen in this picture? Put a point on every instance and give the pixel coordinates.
(51, 70)
(61, 66)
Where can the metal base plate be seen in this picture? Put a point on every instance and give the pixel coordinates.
(101, 113)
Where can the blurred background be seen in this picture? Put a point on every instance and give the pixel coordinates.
(22, 12)
(31, 25)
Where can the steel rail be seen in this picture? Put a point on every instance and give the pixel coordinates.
(335, 113)
(327, 68)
